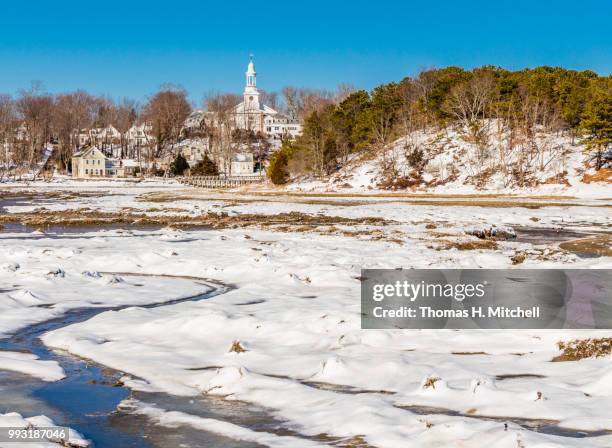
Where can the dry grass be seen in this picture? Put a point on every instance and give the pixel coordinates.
(469, 353)
(237, 347)
(466, 245)
(578, 349)
(366, 228)
(86, 217)
(58, 195)
(515, 376)
(236, 201)
(603, 175)
(598, 245)
(158, 209)
(441, 234)
(411, 195)
(431, 382)
(343, 442)
(451, 200)
(518, 258)
(560, 178)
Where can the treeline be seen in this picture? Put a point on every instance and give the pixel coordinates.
(33, 118)
(523, 103)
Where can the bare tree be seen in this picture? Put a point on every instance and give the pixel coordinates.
(269, 98)
(343, 91)
(300, 103)
(537, 113)
(126, 115)
(35, 110)
(104, 112)
(469, 102)
(425, 84)
(313, 100)
(221, 122)
(410, 116)
(72, 112)
(8, 120)
(166, 111)
(292, 101)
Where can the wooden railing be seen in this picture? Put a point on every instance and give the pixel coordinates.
(220, 181)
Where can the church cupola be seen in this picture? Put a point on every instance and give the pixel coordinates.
(251, 75)
(251, 95)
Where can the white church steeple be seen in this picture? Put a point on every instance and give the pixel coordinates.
(253, 115)
(250, 74)
(251, 95)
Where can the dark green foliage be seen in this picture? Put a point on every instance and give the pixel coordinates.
(525, 101)
(440, 82)
(383, 112)
(179, 165)
(330, 154)
(596, 124)
(348, 120)
(415, 157)
(205, 167)
(278, 170)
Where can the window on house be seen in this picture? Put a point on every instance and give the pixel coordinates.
(86, 171)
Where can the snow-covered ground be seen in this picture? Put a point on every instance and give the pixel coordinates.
(551, 164)
(15, 421)
(294, 315)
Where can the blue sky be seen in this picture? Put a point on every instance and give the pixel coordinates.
(130, 48)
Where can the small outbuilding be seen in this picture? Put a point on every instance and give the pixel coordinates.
(242, 164)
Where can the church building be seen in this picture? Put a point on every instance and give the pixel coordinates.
(252, 114)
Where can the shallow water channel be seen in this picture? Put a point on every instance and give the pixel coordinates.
(87, 398)
(580, 242)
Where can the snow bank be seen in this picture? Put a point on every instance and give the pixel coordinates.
(15, 420)
(30, 364)
(452, 165)
(174, 419)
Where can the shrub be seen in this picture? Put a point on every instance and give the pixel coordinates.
(278, 170)
(179, 165)
(205, 167)
(415, 158)
(578, 349)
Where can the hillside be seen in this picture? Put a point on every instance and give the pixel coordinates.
(445, 161)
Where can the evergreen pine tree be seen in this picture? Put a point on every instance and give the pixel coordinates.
(179, 165)
(596, 124)
(205, 167)
(278, 170)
